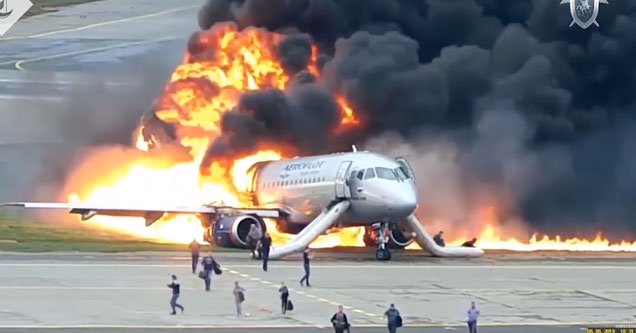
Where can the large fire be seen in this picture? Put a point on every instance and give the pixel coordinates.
(220, 65)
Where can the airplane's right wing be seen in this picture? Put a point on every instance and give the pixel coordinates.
(151, 214)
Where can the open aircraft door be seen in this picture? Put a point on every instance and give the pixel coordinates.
(342, 189)
(406, 167)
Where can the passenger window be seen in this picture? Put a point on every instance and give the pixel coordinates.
(360, 174)
(385, 173)
(370, 174)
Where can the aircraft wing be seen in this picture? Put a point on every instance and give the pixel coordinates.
(151, 214)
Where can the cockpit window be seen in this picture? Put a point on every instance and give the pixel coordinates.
(385, 173)
(360, 174)
(370, 174)
(406, 172)
(401, 173)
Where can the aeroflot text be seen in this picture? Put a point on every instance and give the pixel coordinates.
(304, 166)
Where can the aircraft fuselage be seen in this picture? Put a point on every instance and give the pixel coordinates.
(379, 188)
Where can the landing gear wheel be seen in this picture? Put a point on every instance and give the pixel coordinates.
(383, 255)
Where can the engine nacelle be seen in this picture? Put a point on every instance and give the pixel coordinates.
(232, 231)
(397, 238)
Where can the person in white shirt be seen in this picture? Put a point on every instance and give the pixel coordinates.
(473, 313)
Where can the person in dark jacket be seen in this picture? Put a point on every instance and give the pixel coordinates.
(176, 290)
(392, 315)
(470, 243)
(307, 255)
(284, 296)
(266, 244)
(194, 252)
(339, 321)
(439, 239)
(208, 269)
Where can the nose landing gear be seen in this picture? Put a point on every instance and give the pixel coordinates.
(382, 254)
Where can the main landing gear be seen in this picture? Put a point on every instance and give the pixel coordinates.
(383, 254)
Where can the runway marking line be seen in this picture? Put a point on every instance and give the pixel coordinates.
(18, 64)
(186, 326)
(303, 293)
(100, 24)
(62, 82)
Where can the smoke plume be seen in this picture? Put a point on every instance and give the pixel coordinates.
(497, 99)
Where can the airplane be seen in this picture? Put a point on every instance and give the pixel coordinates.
(308, 196)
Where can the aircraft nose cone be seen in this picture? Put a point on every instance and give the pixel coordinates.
(406, 203)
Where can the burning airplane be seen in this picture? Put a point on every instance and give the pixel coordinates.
(211, 156)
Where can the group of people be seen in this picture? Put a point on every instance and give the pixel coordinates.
(209, 266)
(341, 324)
(260, 245)
(439, 240)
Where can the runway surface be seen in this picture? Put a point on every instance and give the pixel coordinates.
(99, 36)
(81, 76)
(127, 292)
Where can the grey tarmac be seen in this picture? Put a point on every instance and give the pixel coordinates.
(100, 36)
(125, 292)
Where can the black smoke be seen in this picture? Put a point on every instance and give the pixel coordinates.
(457, 70)
(296, 121)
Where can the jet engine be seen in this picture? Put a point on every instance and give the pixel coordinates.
(397, 237)
(232, 231)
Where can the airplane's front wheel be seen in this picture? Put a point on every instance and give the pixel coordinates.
(383, 255)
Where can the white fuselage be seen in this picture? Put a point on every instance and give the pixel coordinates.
(380, 188)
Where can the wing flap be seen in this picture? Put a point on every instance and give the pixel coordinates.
(151, 214)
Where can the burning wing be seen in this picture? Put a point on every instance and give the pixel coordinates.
(151, 214)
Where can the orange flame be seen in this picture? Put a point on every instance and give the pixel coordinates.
(348, 116)
(223, 64)
(509, 236)
(350, 237)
